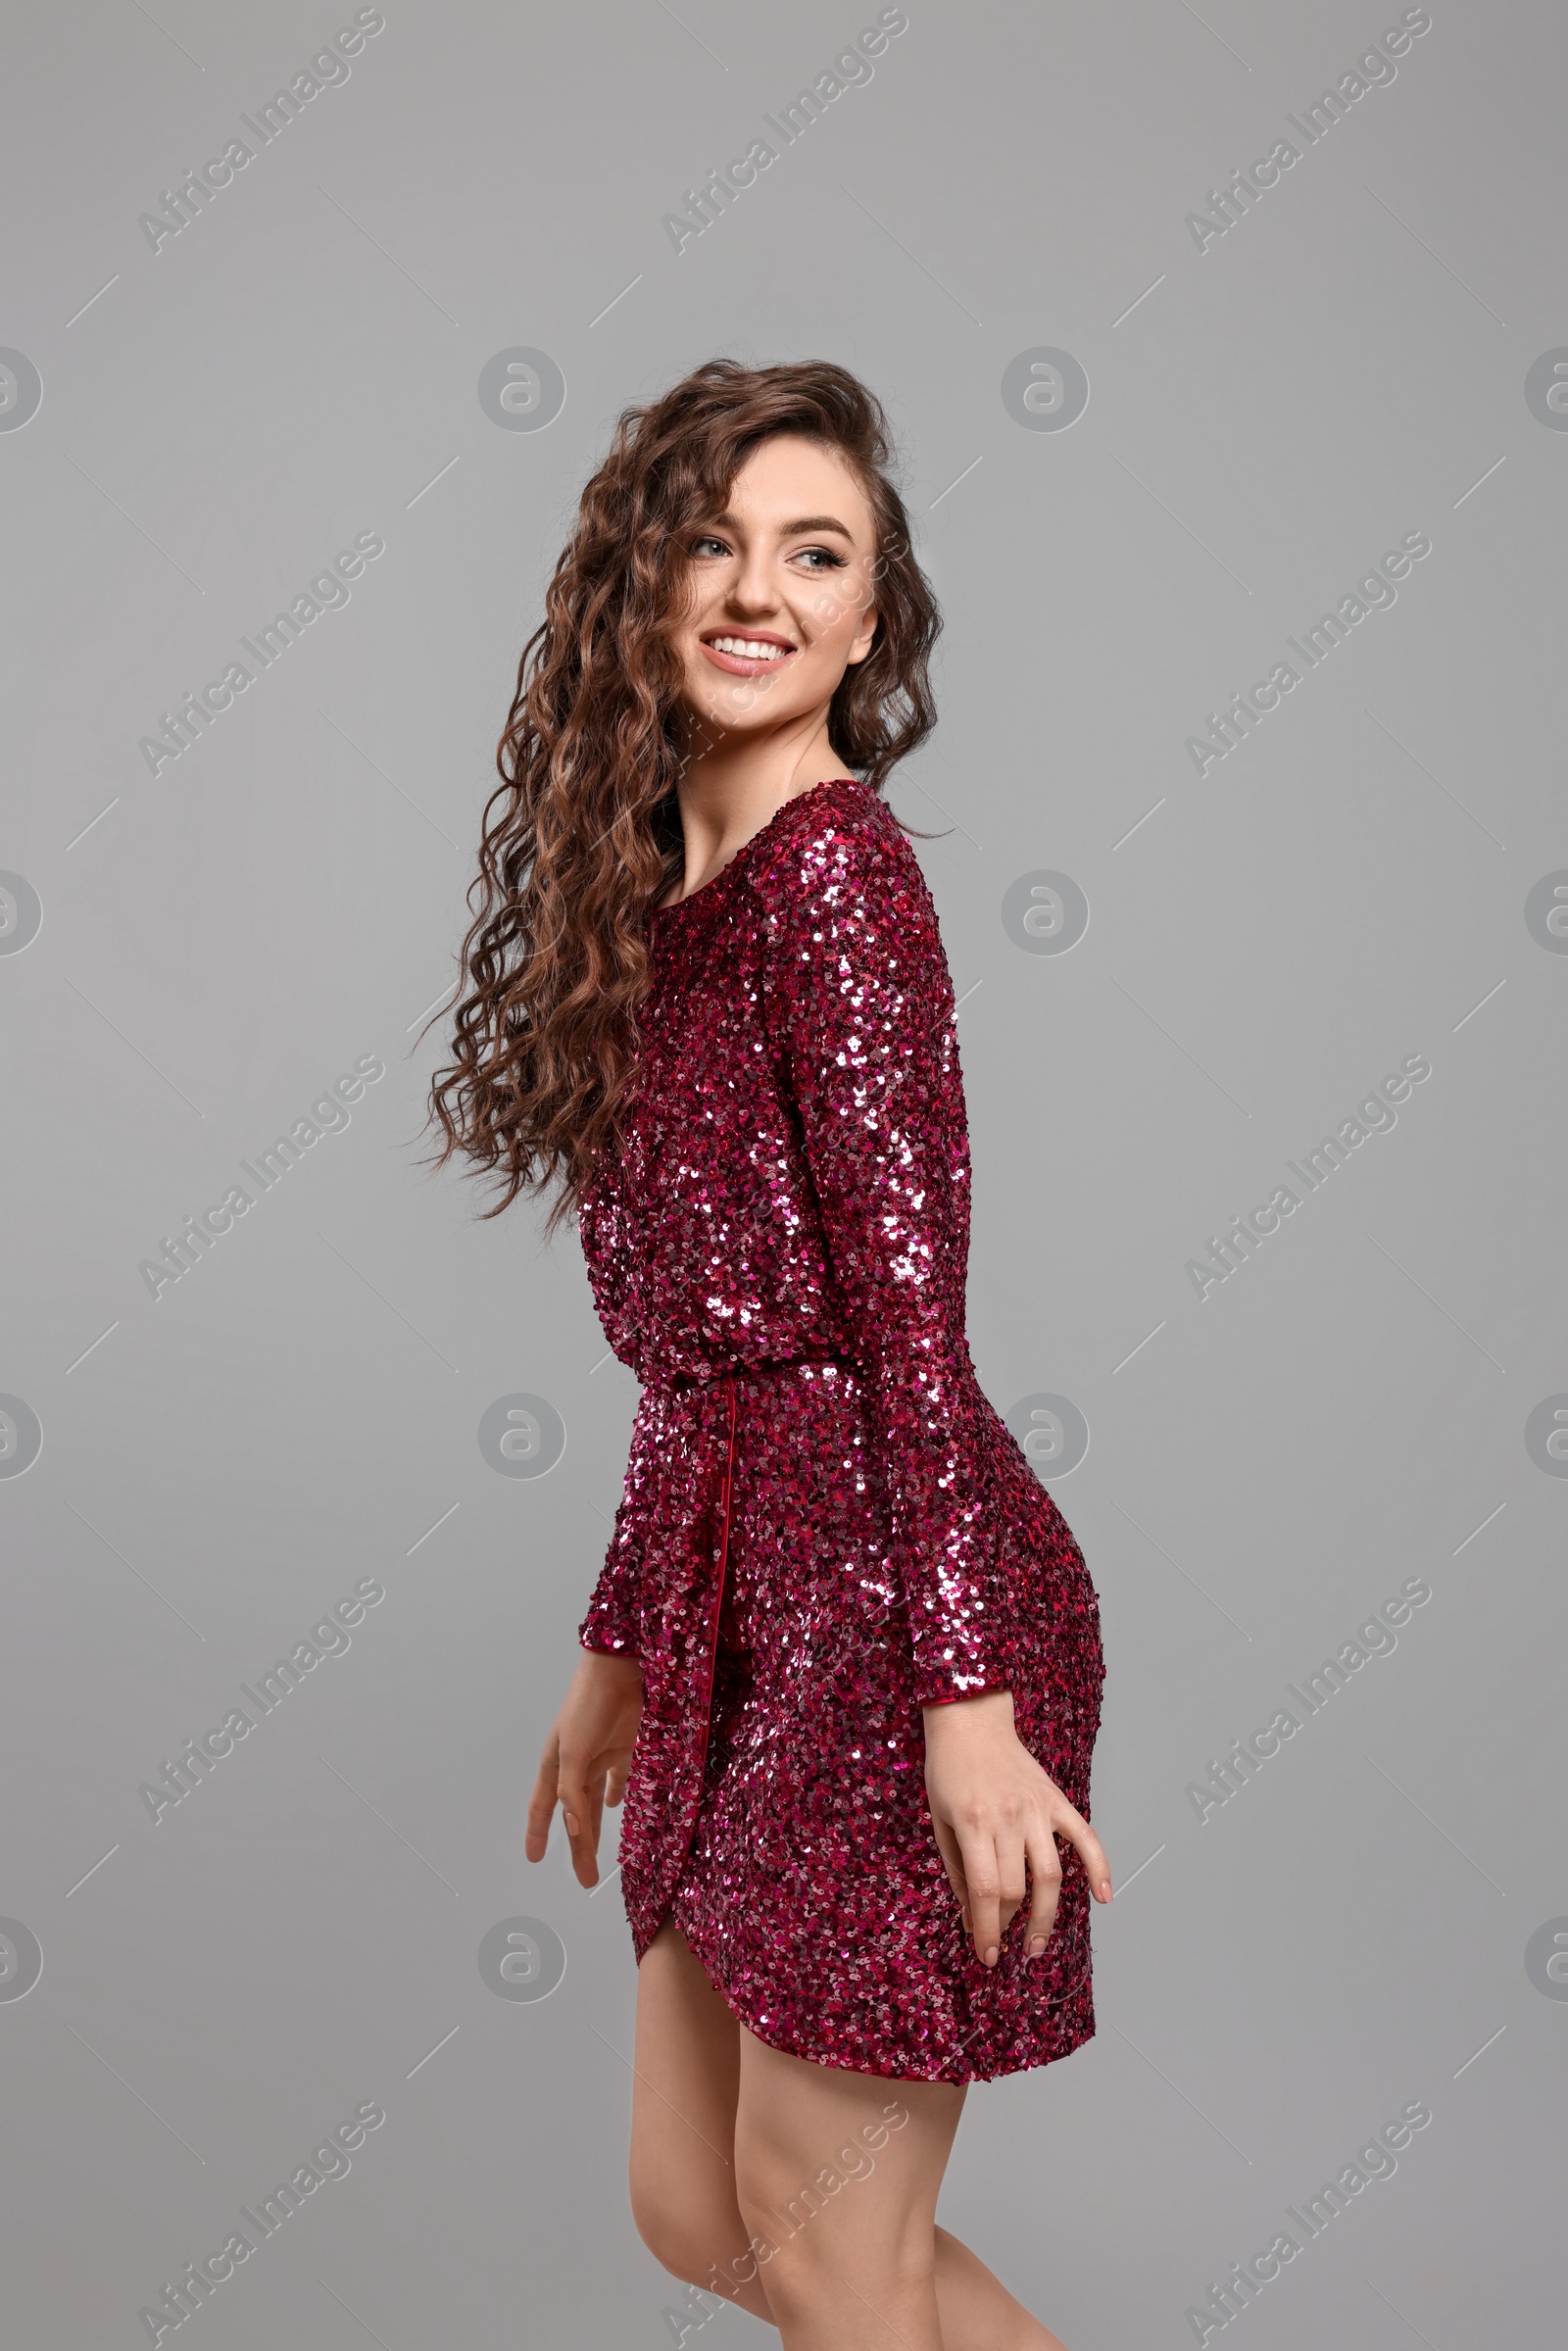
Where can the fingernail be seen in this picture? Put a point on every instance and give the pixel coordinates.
(991, 1955)
(1104, 1890)
(570, 1819)
(1036, 1946)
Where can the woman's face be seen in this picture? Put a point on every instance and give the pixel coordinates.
(781, 590)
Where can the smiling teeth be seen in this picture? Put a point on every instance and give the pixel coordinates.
(747, 649)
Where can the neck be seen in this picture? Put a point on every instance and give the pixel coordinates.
(734, 785)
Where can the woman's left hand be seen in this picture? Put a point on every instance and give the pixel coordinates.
(993, 1809)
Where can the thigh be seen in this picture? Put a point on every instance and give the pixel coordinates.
(840, 2171)
(684, 2096)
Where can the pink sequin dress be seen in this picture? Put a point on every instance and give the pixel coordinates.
(825, 1525)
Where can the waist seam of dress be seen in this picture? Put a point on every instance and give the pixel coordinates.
(713, 1375)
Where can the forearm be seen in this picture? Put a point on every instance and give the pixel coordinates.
(612, 1663)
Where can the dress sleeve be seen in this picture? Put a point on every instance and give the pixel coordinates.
(859, 1007)
(612, 1623)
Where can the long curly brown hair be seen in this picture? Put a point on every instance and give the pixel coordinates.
(582, 835)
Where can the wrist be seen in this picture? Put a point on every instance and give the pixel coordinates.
(968, 1710)
(947, 1682)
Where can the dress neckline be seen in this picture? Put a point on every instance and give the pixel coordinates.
(833, 783)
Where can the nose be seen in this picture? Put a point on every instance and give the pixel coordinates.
(752, 590)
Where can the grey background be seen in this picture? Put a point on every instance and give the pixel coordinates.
(1348, 888)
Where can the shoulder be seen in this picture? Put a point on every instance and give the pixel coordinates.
(837, 855)
(845, 911)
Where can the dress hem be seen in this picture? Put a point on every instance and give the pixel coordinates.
(896, 2069)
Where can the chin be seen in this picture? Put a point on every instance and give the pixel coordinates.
(741, 707)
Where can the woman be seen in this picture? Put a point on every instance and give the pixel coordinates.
(844, 1658)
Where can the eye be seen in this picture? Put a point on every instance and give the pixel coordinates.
(824, 559)
(708, 544)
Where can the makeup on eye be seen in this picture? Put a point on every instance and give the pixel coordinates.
(830, 558)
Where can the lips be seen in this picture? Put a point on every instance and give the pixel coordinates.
(764, 651)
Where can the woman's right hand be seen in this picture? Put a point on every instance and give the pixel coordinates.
(586, 1757)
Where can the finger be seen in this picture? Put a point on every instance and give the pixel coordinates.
(576, 1810)
(542, 1803)
(1012, 1879)
(983, 1874)
(1090, 1852)
(596, 1801)
(948, 1847)
(1045, 1871)
(952, 1862)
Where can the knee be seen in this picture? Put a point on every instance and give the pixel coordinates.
(804, 2270)
(683, 2231)
(768, 2197)
(808, 2235)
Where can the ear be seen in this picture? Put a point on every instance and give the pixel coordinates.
(864, 638)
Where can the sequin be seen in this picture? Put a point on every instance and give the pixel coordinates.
(825, 1525)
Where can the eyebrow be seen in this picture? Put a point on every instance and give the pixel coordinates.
(792, 530)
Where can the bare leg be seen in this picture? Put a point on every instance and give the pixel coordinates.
(836, 2173)
(683, 2125)
(831, 2248)
(978, 2314)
